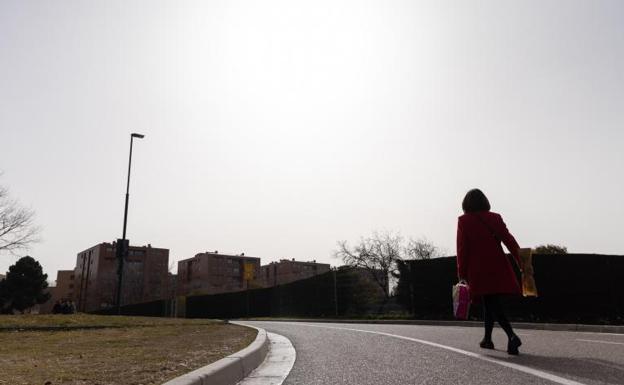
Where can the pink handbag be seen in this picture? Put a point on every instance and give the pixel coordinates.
(461, 301)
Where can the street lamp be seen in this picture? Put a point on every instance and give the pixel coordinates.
(123, 244)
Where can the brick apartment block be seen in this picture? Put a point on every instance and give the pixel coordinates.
(286, 271)
(213, 273)
(145, 276)
(64, 289)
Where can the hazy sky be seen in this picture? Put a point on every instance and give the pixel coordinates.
(277, 128)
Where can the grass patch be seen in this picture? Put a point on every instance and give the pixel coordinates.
(39, 321)
(124, 350)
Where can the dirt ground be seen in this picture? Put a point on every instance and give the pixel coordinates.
(122, 350)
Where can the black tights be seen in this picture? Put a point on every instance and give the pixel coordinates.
(492, 310)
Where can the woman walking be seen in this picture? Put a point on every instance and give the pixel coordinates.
(482, 263)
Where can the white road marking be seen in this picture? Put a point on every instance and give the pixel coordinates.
(521, 368)
(601, 342)
(602, 334)
(277, 364)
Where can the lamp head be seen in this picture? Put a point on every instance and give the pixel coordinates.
(135, 135)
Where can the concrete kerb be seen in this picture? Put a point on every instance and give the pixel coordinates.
(231, 369)
(619, 329)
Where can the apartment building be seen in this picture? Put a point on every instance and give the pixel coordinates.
(64, 289)
(145, 276)
(289, 270)
(213, 273)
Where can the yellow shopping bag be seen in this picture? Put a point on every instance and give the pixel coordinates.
(529, 289)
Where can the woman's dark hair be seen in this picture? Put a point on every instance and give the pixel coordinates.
(475, 200)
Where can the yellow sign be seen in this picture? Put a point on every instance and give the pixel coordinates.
(248, 271)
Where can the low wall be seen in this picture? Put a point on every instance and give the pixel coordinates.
(336, 293)
(160, 308)
(574, 288)
(345, 292)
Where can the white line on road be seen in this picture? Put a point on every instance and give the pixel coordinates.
(602, 334)
(277, 364)
(521, 368)
(601, 342)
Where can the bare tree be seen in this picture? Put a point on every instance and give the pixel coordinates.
(421, 249)
(377, 254)
(17, 228)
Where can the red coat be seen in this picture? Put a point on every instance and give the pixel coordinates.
(480, 257)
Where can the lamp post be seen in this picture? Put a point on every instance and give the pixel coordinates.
(123, 244)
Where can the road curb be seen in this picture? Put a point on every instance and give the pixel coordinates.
(518, 325)
(231, 369)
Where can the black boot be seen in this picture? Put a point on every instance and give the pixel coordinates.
(513, 345)
(486, 344)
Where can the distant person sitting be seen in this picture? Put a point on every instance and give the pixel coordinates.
(66, 307)
(482, 263)
(56, 309)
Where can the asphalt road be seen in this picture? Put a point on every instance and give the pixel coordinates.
(333, 353)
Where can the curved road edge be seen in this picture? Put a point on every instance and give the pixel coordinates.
(277, 365)
(231, 369)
